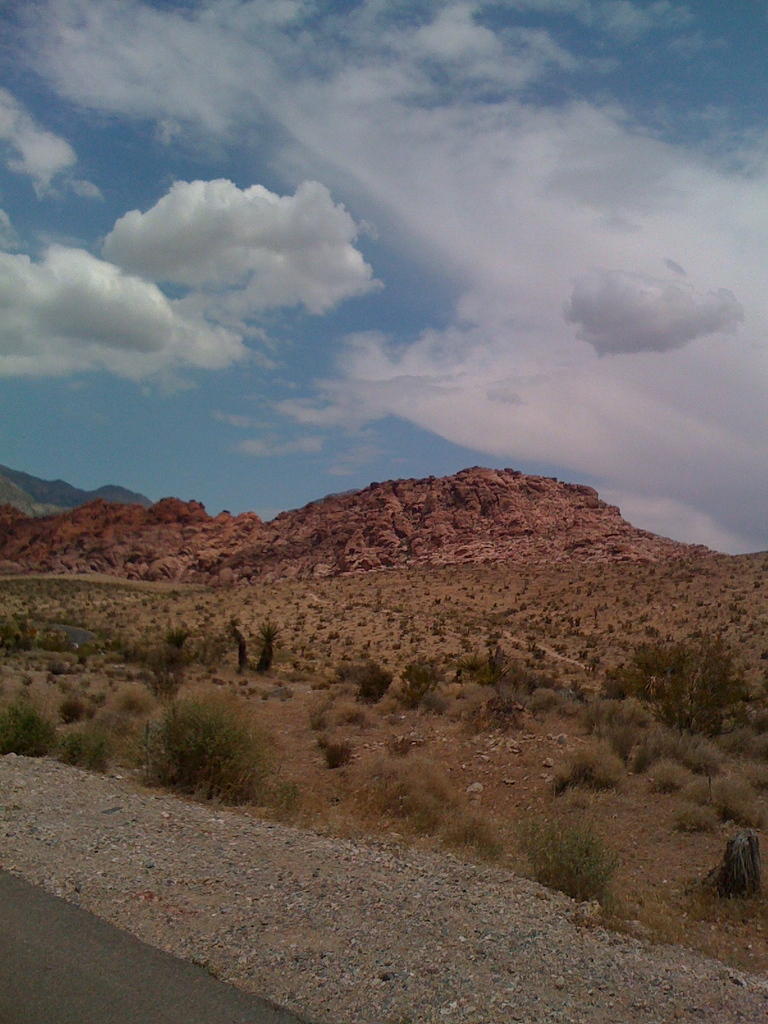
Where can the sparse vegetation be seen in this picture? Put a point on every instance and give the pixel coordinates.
(87, 747)
(595, 767)
(336, 752)
(569, 857)
(693, 686)
(24, 730)
(551, 637)
(207, 747)
(369, 679)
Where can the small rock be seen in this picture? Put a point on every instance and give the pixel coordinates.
(475, 788)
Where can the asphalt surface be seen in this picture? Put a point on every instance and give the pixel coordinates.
(62, 965)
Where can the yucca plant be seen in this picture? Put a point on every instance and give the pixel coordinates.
(268, 634)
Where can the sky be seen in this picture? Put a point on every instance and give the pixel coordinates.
(253, 252)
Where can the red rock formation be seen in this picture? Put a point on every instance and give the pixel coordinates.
(476, 516)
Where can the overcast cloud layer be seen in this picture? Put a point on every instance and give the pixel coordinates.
(606, 262)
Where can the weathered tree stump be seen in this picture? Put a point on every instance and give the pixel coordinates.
(739, 872)
(242, 649)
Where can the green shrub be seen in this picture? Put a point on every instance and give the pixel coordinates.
(693, 687)
(370, 680)
(568, 857)
(420, 679)
(205, 747)
(23, 730)
(86, 747)
(595, 766)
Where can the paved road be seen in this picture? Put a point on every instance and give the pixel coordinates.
(61, 965)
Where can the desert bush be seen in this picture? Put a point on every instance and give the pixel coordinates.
(369, 679)
(420, 679)
(72, 709)
(568, 857)
(474, 833)
(734, 799)
(693, 686)
(601, 714)
(318, 715)
(668, 776)
(207, 747)
(620, 723)
(133, 699)
(86, 747)
(337, 753)
(595, 766)
(691, 817)
(166, 664)
(544, 699)
(413, 791)
(757, 775)
(24, 730)
(16, 634)
(348, 712)
(695, 752)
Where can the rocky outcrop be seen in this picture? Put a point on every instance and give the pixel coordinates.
(477, 516)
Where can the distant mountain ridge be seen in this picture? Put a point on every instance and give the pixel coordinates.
(37, 497)
(477, 516)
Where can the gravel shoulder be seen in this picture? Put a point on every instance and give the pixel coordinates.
(344, 932)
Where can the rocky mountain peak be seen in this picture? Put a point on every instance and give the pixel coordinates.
(478, 516)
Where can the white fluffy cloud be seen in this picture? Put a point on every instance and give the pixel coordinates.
(435, 133)
(620, 312)
(31, 149)
(34, 151)
(259, 249)
(71, 311)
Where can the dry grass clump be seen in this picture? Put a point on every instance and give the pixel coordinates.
(73, 708)
(731, 799)
(336, 752)
(349, 712)
(757, 775)
(474, 834)
(133, 699)
(691, 817)
(594, 766)
(668, 776)
(620, 723)
(734, 799)
(568, 857)
(544, 699)
(209, 747)
(695, 752)
(412, 791)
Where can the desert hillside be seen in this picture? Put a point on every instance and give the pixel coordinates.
(476, 516)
